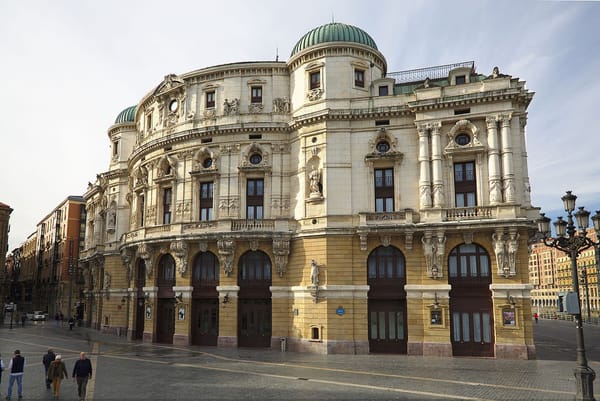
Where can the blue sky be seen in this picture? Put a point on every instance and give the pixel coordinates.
(70, 67)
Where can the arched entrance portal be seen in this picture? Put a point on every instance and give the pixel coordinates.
(471, 317)
(254, 301)
(165, 309)
(205, 304)
(386, 276)
(140, 283)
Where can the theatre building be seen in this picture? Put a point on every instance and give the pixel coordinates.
(321, 203)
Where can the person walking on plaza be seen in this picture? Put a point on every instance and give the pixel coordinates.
(16, 368)
(1, 368)
(536, 317)
(82, 372)
(56, 373)
(47, 360)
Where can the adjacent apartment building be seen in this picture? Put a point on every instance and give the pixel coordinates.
(322, 202)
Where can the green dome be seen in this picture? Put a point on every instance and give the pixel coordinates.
(334, 32)
(126, 116)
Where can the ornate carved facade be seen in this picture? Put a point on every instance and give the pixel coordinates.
(253, 201)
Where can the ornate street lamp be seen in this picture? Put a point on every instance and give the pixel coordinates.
(572, 241)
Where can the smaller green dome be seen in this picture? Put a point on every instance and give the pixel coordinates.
(334, 32)
(126, 116)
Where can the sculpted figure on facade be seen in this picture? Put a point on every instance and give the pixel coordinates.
(428, 251)
(145, 252)
(313, 181)
(314, 273)
(500, 251)
(231, 106)
(513, 247)
(180, 250)
(281, 250)
(226, 252)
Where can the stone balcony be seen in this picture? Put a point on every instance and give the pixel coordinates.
(406, 216)
(209, 228)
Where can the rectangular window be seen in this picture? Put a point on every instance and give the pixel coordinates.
(206, 201)
(148, 122)
(254, 198)
(315, 80)
(460, 79)
(359, 78)
(465, 186)
(141, 207)
(256, 94)
(115, 148)
(384, 190)
(167, 200)
(210, 99)
(383, 90)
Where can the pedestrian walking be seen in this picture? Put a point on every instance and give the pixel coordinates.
(1, 368)
(56, 373)
(23, 319)
(56, 319)
(82, 372)
(71, 323)
(16, 368)
(536, 317)
(46, 361)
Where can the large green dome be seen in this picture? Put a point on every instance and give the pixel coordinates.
(126, 116)
(334, 32)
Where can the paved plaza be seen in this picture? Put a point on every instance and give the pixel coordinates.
(126, 370)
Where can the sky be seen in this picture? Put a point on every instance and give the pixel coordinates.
(70, 67)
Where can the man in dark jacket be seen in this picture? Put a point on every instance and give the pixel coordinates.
(47, 360)
(16, 367)
(82, 372)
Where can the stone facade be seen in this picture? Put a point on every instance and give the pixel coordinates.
(322, 201)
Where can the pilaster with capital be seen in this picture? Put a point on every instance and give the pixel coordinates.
(436, 165)
(508, 174)
(424, 168)
(495, 183)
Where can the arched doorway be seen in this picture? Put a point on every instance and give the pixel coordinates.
(165, 308)
(471, 317)
(386, 277)
(140, 283)
(205, 304)
(254, 300)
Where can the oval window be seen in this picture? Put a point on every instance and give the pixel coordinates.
(207, 162)
(462, 139)
(255, 158)
(174, 105)
(383, 146)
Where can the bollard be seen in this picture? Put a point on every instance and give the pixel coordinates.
(283, 344)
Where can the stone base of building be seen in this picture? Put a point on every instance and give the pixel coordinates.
(148, 337)
(114, 330)
(414, 348)
(325, 347)
(514, 351)
(181, 339)
(227, 341)
(437, 349)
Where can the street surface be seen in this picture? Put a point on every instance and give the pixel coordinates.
(134, 371)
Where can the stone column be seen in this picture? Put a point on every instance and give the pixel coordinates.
(424, 168)
(508, 175)
(436, 165)
(495, 183)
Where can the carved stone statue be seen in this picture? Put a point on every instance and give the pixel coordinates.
(439, 252)
(314, 273)
(313, 178)
(513, 247)
(428, 250)
(500, 252)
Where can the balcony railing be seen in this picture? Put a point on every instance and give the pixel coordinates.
(252, 225)
(407, 216)
(469, 213)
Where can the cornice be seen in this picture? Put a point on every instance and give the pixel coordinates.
(467, 99)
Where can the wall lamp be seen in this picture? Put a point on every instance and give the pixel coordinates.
(510, 299)
(436, 303)
(226, 298)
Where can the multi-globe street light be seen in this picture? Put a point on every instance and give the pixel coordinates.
(573, 241)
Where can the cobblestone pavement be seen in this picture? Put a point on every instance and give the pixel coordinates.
(134, 371)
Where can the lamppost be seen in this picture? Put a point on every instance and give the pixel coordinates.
(584, 281)
(572, 241)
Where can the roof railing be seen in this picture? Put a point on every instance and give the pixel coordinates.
(437, 72)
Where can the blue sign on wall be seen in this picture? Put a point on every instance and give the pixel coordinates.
(340, 310)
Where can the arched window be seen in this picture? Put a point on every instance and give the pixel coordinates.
(205, 270)
(166, 271)
(255, 267)
(386, 263)
(469, 262)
